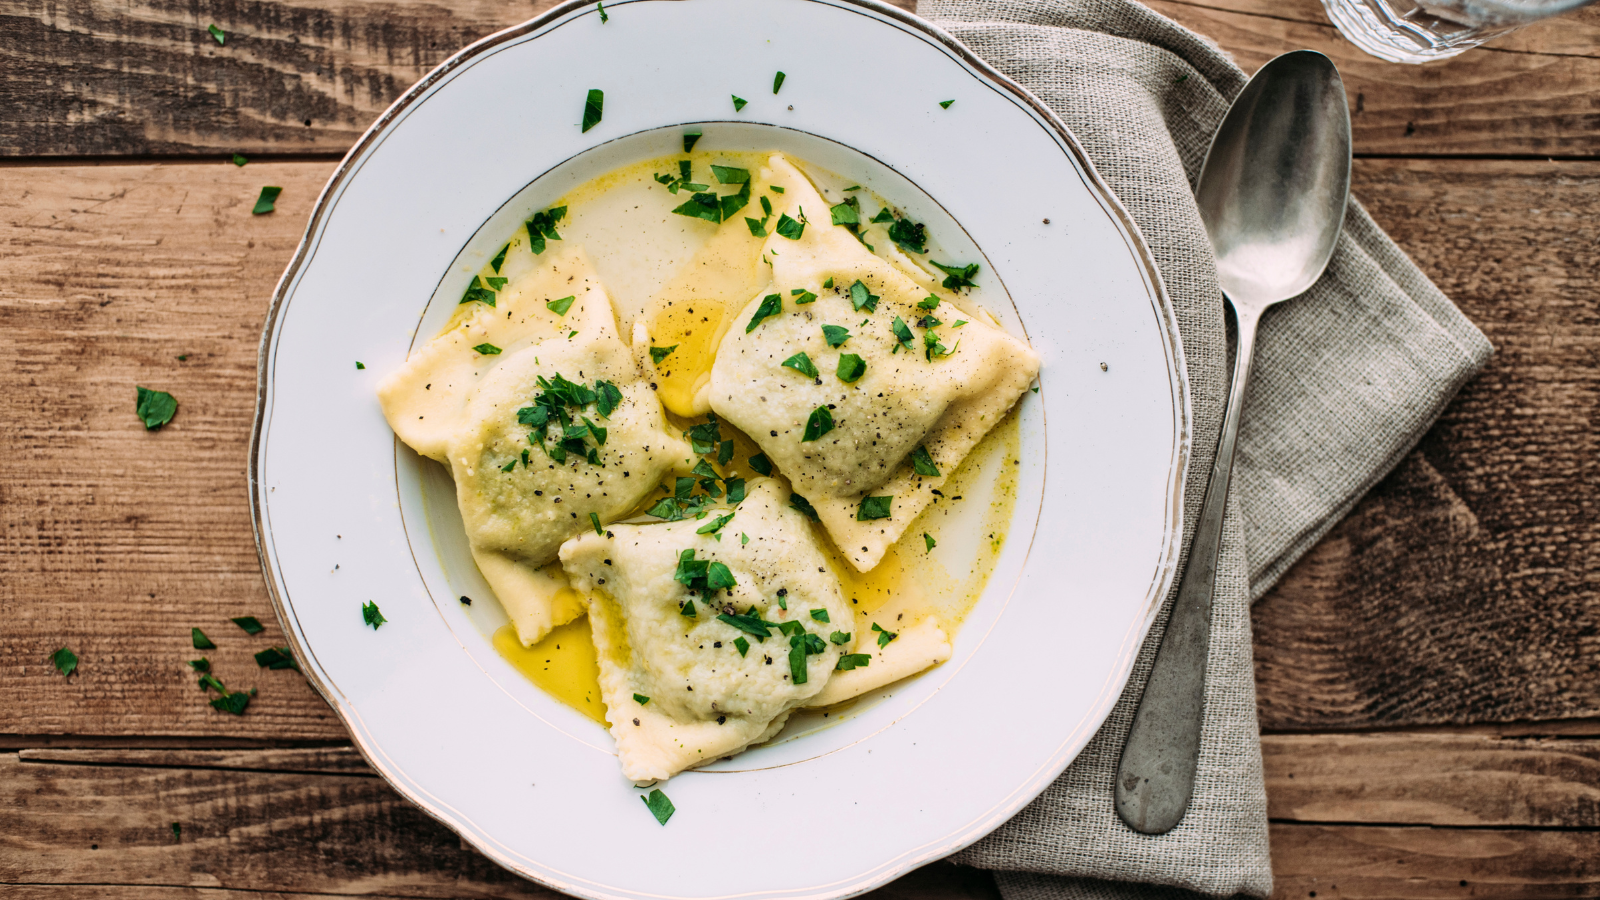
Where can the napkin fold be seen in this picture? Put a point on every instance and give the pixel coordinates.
(1347, 379)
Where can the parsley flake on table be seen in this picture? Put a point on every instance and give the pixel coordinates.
(154, 408)
(239, 160)
(233, 702)
(851, 368)
(542, 227)
(873, 508)
(593, 108)
(761, 464)
(487, 349)
(928, 539)
(250, 624)
(217, 34)
(200, 641)
(371, 616)
(946, 103)
(738, 102)
(803, 506)
(267, 201)
(777, 81)
(200, 665)
(861, 298)
(848, 661)
(801, 363)
(276, 658)
(789, 228)
(65, 661)
(819, 424)
(177, 831)
(360, 365)
(690, 138)
(957, 277)
(922, 463)
(884, 637)
(771, 305)
(835, 335)
(603, 17)
(821, 615)
(657, 354)
(659, 805)
(560, 307)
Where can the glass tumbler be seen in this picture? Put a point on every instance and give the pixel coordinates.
(1419, 31)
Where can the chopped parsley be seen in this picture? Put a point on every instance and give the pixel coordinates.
(846, 213)
(558, 407)
(371, 616)
(884, 637)
(687, 610)
(803, 296)
(594, 520)
(902, 335)
(232, 702)
(803, 506)
(267, 202)
(821, 615)
(840, 637)
(801, 363)
(200, 641)
(250, 624)
(776, 189)
(603, 17)
(560, 307)
(499, 258)
(922, 463)
(738, 102)
(360, 364)
(659, 805)
(777, 82)
(276, 658)
(154, 408)
(957, 277)
(789, 228)
(931, 345)
(593, 108)
(725, 453)
(836, 335)
(910, 236)
(221, 37)
(487, 349)
(797, 663)
(730, 175)
(708, 206)
(702, 576)
(742, 645)
(928, 303)
(199, 665)
(848, 661)
(239, 160)
(928, 539)
(749, 623)
(715, 525)
(705, 436)
(65, 661)
(946, 103)
(819, 424)
(542, 227)
(861, 298)
(873, 508)
(771, 305)
(509, 466)
(690, 138)
(761, 464)
(641, 699)
(851, 368)
(758, 227)
(828, 285)
(657, 354)
(477, 292)
(884, 215)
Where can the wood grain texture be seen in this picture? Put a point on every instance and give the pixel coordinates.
(1466, 586)
(257, 822)
(94, 77)
(1433, 779)
(1463, 589)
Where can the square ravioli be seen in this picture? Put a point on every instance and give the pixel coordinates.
(854, 395)
(547, 421)
(706, 645)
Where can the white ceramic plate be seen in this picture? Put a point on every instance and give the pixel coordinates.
(341, 507)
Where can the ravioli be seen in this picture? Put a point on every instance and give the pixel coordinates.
(704, 697)
(913, 379)
(558, 426)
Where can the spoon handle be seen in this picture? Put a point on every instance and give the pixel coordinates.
(1155, 777)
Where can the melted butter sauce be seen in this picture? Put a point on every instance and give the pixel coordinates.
(687, 279)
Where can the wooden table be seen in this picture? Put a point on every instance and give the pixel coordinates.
(1427, 681)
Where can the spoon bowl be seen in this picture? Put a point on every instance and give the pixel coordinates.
(1272, 195)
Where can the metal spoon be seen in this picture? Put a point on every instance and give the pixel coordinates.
(1272, 195)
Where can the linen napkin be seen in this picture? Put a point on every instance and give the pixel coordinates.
(1347, 379)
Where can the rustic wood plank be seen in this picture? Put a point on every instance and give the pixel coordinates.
(303, 760)
(248, 828)
(1434, 779)
(307, 76)
(1345, 862)
(1531, 102)
(1464, 587)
